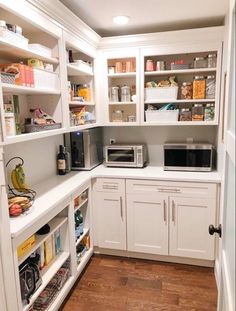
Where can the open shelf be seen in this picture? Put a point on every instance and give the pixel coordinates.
(79, 70)
(83, 127)
(18, 89)
(9, 49)
(122, 123)
(80, 205)
(122, 75)
(179, 72)
(181, 123)
(122, 103)
(164, 101)
(47, 275)
(84, 260)
(86, 231)
(54, 224)
(32, 136)
(77, 103)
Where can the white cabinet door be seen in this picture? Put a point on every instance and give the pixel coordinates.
(147, 223)
(111, 220)
(189, 222)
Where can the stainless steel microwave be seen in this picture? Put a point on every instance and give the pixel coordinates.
(200, 157)
(126, 155)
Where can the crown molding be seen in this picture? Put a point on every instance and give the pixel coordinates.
(67, 20)
(195, 35)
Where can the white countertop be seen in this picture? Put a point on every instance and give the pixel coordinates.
(53, 191)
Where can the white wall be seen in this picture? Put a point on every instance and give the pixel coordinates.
(39, 156)
(156, 136)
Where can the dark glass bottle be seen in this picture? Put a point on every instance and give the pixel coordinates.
(61, 161)
(70, 57)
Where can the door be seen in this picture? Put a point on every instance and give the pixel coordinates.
(147, 223)
(226, 297)
(111, 220)
(189, 220)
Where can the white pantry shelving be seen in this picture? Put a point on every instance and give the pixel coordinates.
(180, 72)
(18, 89)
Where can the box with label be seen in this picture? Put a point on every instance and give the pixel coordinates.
(26, 246)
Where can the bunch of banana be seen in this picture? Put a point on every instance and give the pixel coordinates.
(18, 178)
(18, 205)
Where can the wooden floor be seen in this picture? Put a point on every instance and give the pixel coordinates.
(120, 284)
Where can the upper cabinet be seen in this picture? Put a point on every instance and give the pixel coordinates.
(180, 85)
(121, 87)
(80, 83)
(30, 87)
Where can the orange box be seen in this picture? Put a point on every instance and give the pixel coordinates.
(18, 69)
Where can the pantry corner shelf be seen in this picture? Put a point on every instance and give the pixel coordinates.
(84, 261)
(181, 123)
(180, 71)
(74, 70)
(47, 275)
(77, 103)
(18, 89)
(83, 127)
(164, 101)
(80, 205)
(122, 123)
(32, 136)
(122, 75)
(9, 49)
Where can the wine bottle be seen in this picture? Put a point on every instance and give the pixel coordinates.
(70, 57)
(61, 161)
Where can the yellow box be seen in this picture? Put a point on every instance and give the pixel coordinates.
(26, 246)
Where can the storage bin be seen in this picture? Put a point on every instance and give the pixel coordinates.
(33, 128)
(40, 49)
(8, 78)
(83, 66)
(13, 38)
(162, 115)
(46, 79)
(154, 94)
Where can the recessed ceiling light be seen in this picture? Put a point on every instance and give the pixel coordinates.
(121, 20)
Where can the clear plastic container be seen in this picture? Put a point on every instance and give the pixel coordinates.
(187, 90)
(200, 62)
(84, 91)
(199, 87)
(211, 60)
(197, 112)
(210, 87)
(209, 112)
(185, 114)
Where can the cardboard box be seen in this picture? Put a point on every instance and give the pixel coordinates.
(26, 246)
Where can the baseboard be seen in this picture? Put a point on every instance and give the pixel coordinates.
(172, 259)
(228, 291)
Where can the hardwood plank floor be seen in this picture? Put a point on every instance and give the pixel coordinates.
(124, 284)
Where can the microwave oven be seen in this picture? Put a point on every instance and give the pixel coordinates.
(200, 157)
(86, 148)
(126, 155)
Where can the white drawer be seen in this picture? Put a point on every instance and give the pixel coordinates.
(109, 185)
(169, 187)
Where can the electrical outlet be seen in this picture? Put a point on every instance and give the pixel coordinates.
(112, 141)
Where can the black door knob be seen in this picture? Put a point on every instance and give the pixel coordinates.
(213, 230)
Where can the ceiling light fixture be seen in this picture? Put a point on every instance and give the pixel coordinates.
(121, 20)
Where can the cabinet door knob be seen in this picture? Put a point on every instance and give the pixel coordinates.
(213, 230)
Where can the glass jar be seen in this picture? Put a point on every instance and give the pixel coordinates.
(185, 114)
(84, 92)
(200, 62)
(125, 93)
(210, 87)
(186, 90)
(211, 60)
(117, 116)
(114, 94)
(199, 87)
(209, 112)
(149, 65)
(197, 112)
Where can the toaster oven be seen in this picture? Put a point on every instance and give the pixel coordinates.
(126, 155)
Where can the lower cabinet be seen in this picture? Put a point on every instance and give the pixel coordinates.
(163, 218)
(147, 223)
(190, 218)
(111, 220)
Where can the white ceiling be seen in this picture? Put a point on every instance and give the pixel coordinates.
(148, 16)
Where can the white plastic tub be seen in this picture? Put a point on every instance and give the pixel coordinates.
(153, 94)
(40, 49)
(162, 115)
(46, 79)
(13, 38)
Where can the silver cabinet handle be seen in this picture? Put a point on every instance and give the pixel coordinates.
(121, 208)
(173, 211)
(109, 187)
(165, 219)
(168, 190)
